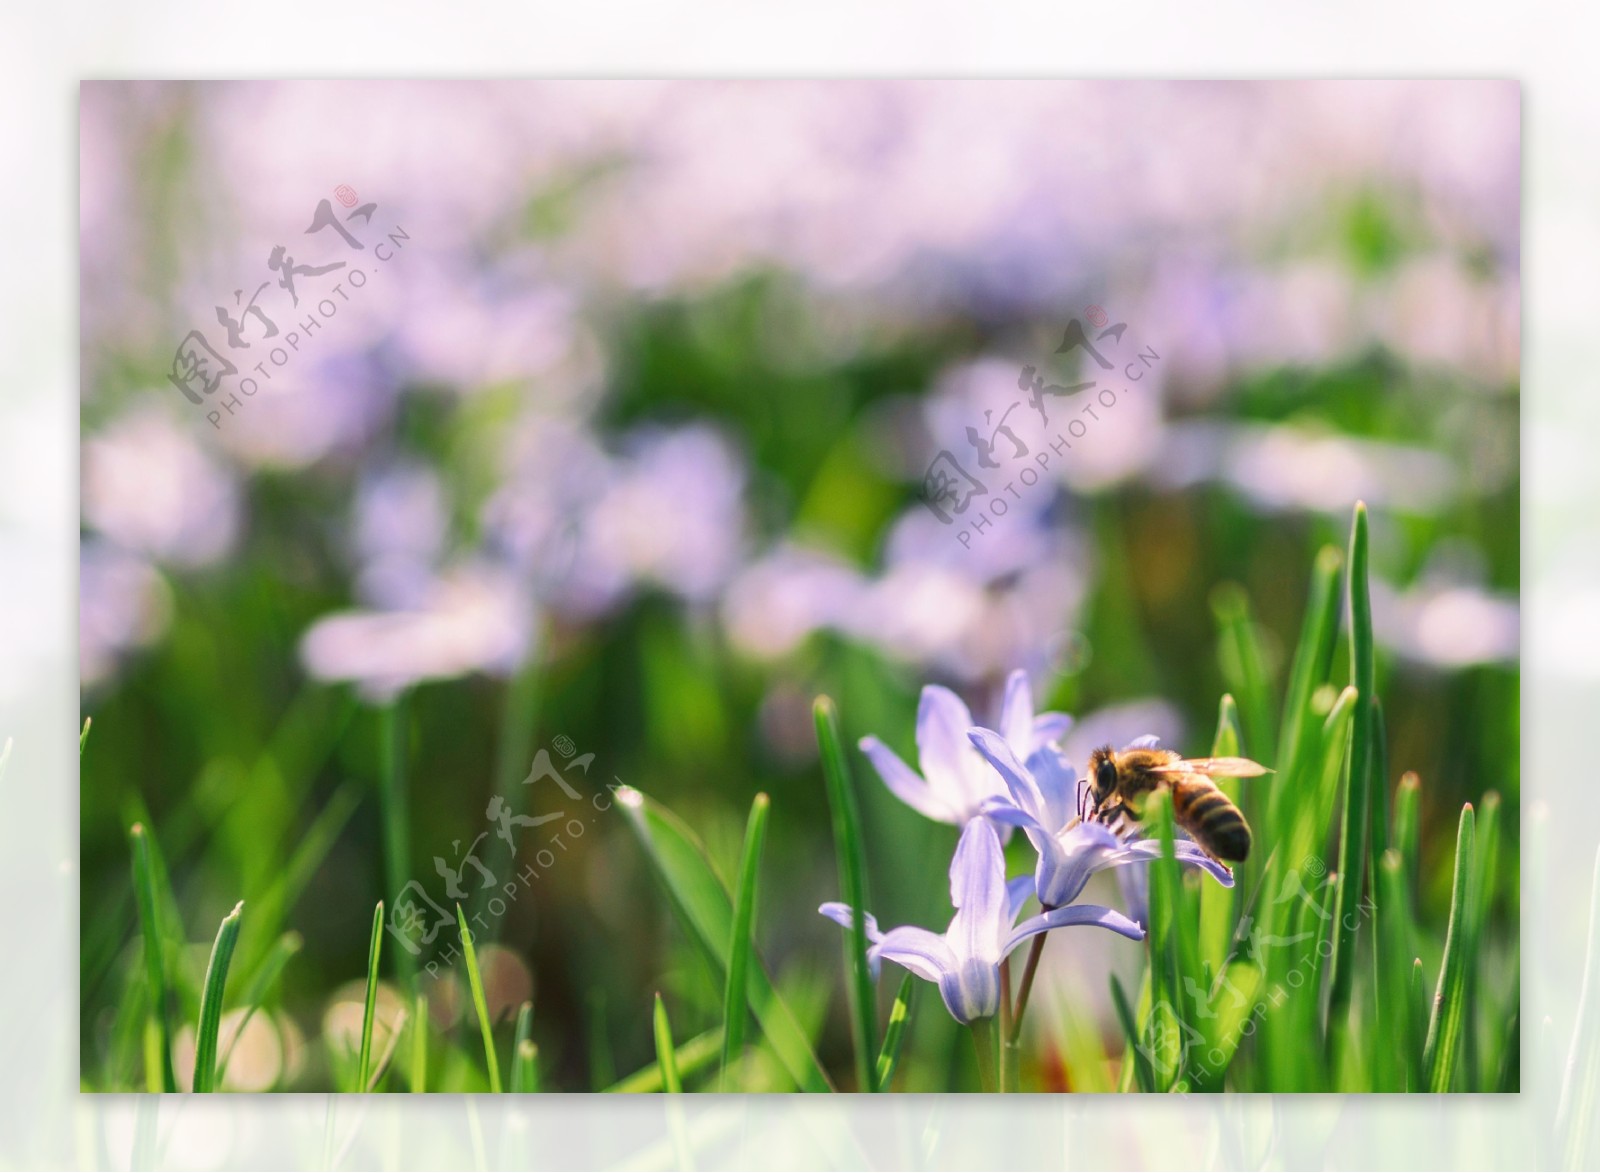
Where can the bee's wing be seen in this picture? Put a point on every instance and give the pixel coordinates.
(1220, 767)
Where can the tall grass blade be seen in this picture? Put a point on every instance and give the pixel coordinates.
(1310, 669)
(370, 1010)
(1244, 668)
(690, 1058)
(701, 901)
(1357, 817)
(261, 984)
(1137, 1055)
(479, 1003)
(894, 1033)
(419, 1044)
(666, 1057)
(1485, 873)
(394, 797)
(161, 1078)
(205, 1039)
(1173, 950)
(852, 859)
(1405, 836)
(1449, 1012)
(1399, 1054)
(83, 740)
(525, 1067)
(736, 996)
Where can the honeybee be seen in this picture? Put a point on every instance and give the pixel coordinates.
(1119, 780)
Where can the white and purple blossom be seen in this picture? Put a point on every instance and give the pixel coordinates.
(955, 781)
(1045, 796)
(964, 960)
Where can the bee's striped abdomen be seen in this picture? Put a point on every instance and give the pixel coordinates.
(1211, 818)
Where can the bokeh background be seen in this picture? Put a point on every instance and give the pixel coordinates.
(625, 444)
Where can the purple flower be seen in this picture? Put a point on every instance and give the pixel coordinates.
(1043, 799)
(955, 780)
(965, 959)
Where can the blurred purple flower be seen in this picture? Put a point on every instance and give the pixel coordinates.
(964, 960)
(955, 780)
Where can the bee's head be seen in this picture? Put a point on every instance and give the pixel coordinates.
(1103, 773)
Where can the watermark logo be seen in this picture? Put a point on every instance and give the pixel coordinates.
(950, 490)
(200, 368)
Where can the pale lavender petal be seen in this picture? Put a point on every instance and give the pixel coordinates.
(1016, 714)
(1066, 861)
(1008, 813)
(842, 915)
(997, 752)
(1135, 884)
(978, 890)
(925, 954)
(1018, 892)
(1191, 853)
(972, 989)
(904, 782)
(1057, 785)
(1048, 728)
(942, 724)
(1148, 741)
(1076, 914)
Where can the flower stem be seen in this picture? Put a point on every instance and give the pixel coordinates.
(983, 1039)
(1027, 983)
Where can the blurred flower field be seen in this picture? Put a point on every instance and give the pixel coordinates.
(661, 410)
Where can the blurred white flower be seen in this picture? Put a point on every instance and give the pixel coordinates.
(779, 599)
(473, 619)
(123, 604)
(1448, 626)
(150, 488)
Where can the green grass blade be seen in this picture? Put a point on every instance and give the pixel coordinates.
(1143, 1075)
(894, 1033)
(701, 901)
(525, 1067)
(1311, 667)
(395, 802)
(736, 992)
(1244, 668)
(1405, 836)
(1174, 953)
(1485, 873)
(419, 1044)
(1356, 817)
(205, 1038)
(524, 1055)
(83, 740)
(852, 860)
(370, 1011)
(691, 1058)
(160, 1077)
(665, 1055)
(261, 983)
(1449, 1012)
(479, 1003)
(1401, 1071)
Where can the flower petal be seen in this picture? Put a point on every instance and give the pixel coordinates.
(942, 724)
(1148, 741)
(1049, 727)
(1075, 914)
(925, 954)
(997, 752)
(1018, 892)
(1016, 713)
(1008, 813)
(978, 890)
(904, 782)
(1190, 853)
(1056, 782)
(1067, 860)
(841, 914)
